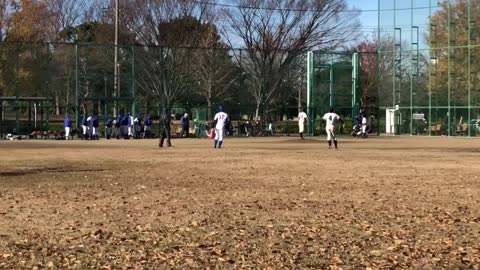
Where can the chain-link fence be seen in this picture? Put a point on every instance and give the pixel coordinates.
(79, 79)
(429, 73)
(424, 82)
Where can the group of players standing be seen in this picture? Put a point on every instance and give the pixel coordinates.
(331, 119)
(123, 126)
(221, 119)
(128, 127)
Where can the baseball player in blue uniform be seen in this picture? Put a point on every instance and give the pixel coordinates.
(84, 127)
(147, 129)
(68, 125)
(108, 128)
(185, 123)
(95, 126)
(220, 122)
(125, 126)
(118, 126)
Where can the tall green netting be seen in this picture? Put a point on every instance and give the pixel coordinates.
(428, 70)
(332, 82)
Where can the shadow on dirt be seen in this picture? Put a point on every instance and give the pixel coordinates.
(46, 170)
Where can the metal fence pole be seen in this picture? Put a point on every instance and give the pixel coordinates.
(355, 103)
(47, 108)
(105, 98)
(47, 89)
(77, 103)
(430, 74)
(469, 89)
(394, 66)
(115, 68)
(17, 92)
(379, 47)
(134, 98)
(310, 102)
(411, 71)
(448, 68)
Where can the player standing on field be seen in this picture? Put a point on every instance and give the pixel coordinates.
(84, 127)
(95, 127)
(331, 118)
(108, 128)
(220, 121)
(302, 120)
(118, 126)
(147, 129)
(137, 124)
(130, 125)
(185, 123)
(165, 128)
(125, 126)
(90, 127)
(67, 124)
(364, 126)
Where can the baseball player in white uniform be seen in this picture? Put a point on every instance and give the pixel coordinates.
(90, 127)
(130, 125)
(302, 119)
(219, 122)
(364, 125)
(331, 118)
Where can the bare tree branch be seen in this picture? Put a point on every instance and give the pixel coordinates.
(276, 32)
(65, 13)
(4, 18)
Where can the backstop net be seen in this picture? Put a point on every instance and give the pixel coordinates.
(428, 75)
(332, 82)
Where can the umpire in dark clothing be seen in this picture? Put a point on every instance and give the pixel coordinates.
(185, 123)
(164, 129)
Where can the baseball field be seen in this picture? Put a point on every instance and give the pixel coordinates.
(262, 203)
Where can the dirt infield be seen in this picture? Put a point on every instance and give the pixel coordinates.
(265, 203)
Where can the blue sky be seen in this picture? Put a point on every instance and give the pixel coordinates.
(404, 17)
(367, 18)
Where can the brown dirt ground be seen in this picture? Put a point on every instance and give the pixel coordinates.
(263, 203)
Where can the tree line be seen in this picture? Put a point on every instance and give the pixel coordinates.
(265, 70)
(185, 51)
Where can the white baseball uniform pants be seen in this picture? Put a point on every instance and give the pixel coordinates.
(301, 127)
(331, 133)
(67, 133)
(219, 134)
